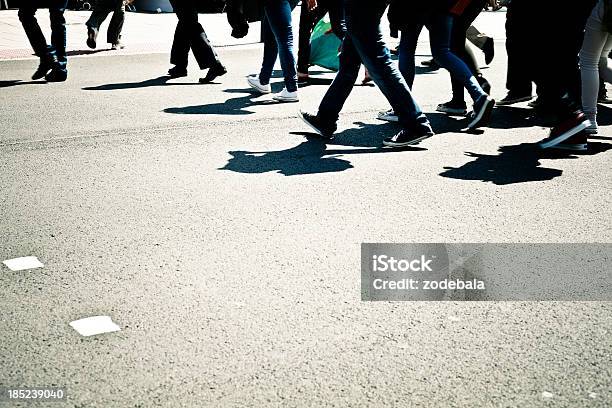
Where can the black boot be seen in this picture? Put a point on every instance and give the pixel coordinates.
(46, 64)
(57, 74)
(215, 71)
(177, 71)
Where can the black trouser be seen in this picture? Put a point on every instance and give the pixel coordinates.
(190, 34)
(558, 39)
(364, 43)
(101, 10)
(519, 40)
(458, 43)
(310, 18)
(57, 49)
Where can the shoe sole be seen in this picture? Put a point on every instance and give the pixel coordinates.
(410, 143)
(281, 99)
(258, 89)
(392, 119)
(514, 101)
(483, 115)
(452, 112)
(581, 147)
(563, 136)
(317, 131)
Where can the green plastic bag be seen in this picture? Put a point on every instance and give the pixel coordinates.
(324, 46)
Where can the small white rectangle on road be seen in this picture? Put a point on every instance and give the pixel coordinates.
(90, 326)
(23, 263)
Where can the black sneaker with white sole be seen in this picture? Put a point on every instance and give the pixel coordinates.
(325, 130)
(407, 137)
(482, 112)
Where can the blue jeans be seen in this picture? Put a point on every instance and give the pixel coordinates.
(57, 49)
(364, 43)
(278, 42)
(439, 26)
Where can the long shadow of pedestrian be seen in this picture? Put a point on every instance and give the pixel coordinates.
(87, 52)
(312, 156)
(17, 82)
(516, 164)
(306, 158)
(159, 81)
(231, 106)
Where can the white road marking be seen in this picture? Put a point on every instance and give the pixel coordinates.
(90, 326)
(23, 263)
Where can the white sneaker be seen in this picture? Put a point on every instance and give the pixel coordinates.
(388, 116)
(591, 128)
(117, 46)
(286, 96)
(254, 83)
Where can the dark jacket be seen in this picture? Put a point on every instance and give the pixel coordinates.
(242, 12)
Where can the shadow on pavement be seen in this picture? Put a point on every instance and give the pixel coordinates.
(308, 157)
(516, 164)
(316, 81)
(17, 82)
(159, 81)
(314, 155)
(87, 52)
(512, 117)
(232, 106)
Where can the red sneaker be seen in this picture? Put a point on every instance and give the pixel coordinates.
(566, 129)
(577, 143)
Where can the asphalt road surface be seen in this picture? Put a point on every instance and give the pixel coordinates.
(226, 245)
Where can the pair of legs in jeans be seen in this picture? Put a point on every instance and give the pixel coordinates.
(308, 21)
(52, 57)
(594, 62)
(439, 26)
(102, 9)
(364, 43)
(460, 25)
(277, 34)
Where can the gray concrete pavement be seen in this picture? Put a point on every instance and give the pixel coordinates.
(226, 246)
